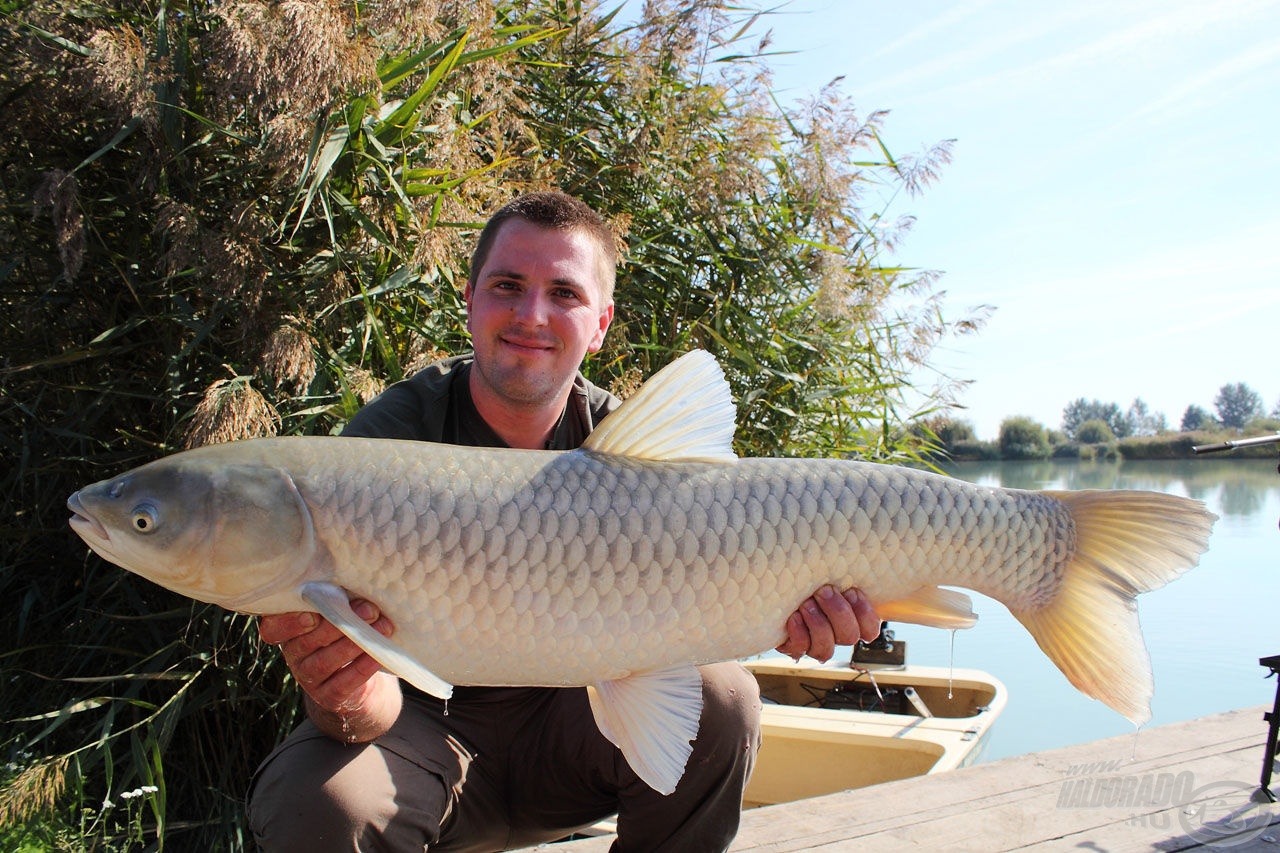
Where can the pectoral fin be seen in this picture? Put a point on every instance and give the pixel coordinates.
(332, 603)
(932, 606)
(652, 718)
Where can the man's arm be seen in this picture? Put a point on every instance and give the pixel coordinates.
(829, 619)
(348, 695)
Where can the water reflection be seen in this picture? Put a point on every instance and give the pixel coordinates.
(1205, 631)
(1234, 487)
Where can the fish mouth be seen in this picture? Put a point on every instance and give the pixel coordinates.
(83, 523)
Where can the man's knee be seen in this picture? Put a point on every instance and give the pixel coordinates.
(314, 793)
(731, 707)
(731, 696)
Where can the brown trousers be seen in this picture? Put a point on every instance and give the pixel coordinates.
(500, 768)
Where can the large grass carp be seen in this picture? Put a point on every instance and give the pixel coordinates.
(623, 564)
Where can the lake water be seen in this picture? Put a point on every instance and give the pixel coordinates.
(1205, 631)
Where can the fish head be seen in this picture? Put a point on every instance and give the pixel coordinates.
(223, 533)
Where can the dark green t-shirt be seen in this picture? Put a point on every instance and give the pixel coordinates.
(435, 405)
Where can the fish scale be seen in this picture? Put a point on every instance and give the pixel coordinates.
(622, 565)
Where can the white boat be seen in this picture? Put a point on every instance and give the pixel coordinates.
(833, 727)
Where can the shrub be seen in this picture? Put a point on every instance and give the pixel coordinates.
(1261, 426)
(1094, 431)
(974, 451)
(1023, 438)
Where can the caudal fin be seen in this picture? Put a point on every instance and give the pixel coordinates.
(1127, 543)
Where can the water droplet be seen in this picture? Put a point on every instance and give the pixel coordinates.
(446, 707)
(952, 670)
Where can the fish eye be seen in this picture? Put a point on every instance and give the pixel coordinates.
(144, 518)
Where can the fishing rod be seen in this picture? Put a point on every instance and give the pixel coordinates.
(1232, 445)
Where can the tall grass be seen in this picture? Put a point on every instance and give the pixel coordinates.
(210, 234)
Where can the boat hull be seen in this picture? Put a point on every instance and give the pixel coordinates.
(831, 728)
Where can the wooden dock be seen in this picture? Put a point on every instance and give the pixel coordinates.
(1184, 786)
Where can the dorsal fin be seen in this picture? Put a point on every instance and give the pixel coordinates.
(684, 413)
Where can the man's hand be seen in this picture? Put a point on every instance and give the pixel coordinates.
(350, 697)
(829, 619)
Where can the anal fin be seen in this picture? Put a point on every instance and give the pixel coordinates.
(652, 718)
(932, 606)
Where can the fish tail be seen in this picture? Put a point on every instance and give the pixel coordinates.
(1126, 543)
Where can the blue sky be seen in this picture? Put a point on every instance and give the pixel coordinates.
(1114, 191)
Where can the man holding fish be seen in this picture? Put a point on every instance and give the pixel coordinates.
(377, 767)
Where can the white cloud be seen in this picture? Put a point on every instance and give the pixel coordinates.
(1069, 40)
(1199, 90)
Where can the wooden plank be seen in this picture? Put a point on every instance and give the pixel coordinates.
(1015, 799)
(1172, 789)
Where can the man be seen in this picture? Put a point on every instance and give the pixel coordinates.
(381, 767)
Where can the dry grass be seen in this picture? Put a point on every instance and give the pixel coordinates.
(231, 410)
(289, 360)
(34, 792)
(57, 195)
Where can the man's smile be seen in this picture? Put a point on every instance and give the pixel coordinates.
(530, 345)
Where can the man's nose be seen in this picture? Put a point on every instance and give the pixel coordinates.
(532, 309)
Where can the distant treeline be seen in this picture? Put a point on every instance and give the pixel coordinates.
(1023, 438)
(1092, 429)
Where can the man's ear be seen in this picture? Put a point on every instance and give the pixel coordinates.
(606, 317)
(467, 293)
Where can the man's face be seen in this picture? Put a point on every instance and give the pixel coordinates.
(535, 310)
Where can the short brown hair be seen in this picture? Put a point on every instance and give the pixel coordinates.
(552, 209)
